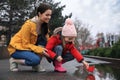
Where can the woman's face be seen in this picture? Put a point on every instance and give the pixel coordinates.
(46, 16)
(69, 39)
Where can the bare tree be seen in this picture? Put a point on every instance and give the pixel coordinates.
(83, 33)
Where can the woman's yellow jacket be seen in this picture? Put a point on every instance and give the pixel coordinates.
(26, 39)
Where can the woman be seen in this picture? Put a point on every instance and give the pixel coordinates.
(61, 46)
(27, 45)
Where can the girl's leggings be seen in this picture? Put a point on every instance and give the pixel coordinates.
(67, 56)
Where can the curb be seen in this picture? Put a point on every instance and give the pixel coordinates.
(113, 60)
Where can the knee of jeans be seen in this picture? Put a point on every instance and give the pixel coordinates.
(35, 61)
(59, 47)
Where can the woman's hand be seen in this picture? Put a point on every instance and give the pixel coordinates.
(45, 52)
(59, 58)
(85, 64)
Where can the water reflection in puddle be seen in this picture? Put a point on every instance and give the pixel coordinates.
(101, 72)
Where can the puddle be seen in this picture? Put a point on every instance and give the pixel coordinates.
(101, 72)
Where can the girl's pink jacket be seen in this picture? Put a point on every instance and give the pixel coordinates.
(54, 41)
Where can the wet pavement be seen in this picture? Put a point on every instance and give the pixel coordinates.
(74, 71)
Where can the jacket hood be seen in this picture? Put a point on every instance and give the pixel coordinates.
(56, 30)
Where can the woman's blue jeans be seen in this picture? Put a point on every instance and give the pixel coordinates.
(31, 59)
(59, 51)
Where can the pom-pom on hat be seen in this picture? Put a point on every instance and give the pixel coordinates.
(69, 28)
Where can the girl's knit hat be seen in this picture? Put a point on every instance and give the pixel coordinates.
(69, 28)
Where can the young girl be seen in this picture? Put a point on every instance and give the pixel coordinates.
(61, 46)
(27, 46)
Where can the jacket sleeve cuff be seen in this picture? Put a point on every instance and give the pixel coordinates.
(81, 60)
(55, 57)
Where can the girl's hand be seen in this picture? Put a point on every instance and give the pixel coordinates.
(85, 64)
(59, 58)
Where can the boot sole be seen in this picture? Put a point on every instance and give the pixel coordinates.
(60, 71)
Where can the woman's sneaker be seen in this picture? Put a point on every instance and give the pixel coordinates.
(38, 68)
(13, 65)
